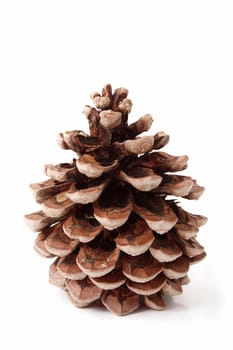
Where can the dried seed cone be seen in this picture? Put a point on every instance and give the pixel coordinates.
(106, 217)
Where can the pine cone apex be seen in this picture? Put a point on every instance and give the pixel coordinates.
(108, 124)
(107, 216)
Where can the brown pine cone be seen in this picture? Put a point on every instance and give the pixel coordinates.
(106, 217)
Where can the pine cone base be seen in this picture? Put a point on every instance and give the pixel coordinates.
(110, 218)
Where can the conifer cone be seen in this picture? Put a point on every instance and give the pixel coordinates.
(110, 217)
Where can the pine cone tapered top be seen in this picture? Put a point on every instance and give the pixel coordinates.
(106, 216)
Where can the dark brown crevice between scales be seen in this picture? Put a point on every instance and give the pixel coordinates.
(106, 218)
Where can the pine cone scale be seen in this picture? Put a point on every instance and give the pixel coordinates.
(96, 262)
(140, 269)
(147, 288)
(120, 301)
(81, 228)
(69, 269)
(111, 280)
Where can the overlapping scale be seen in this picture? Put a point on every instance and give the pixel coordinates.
(164, 248)
(155, 302)
(191, 247)
(97, 261)
(68, 268)
(80, 193)
(196, 259)
(188, 224)
(161, 162)
(46, 189)
(176, 185)
(38, 221)
(172, 287)
(39, 245)
(147, 288)
(58, 243)
(91, 167)
(57, 206)
(82, 225)
(114, 206)
(82, 292)
(78, 141)
(134, 238)
(141, 268)
(112, 280)
(61, 172)
(177, 268)
(157, 213)
(120, 301)
(195, 192)
(55, 276)
(143, 179)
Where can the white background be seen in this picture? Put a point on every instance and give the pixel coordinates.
(176, 59)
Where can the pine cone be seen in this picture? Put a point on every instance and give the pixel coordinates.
(108, 217)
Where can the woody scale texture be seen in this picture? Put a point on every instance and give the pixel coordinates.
(110, 218)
